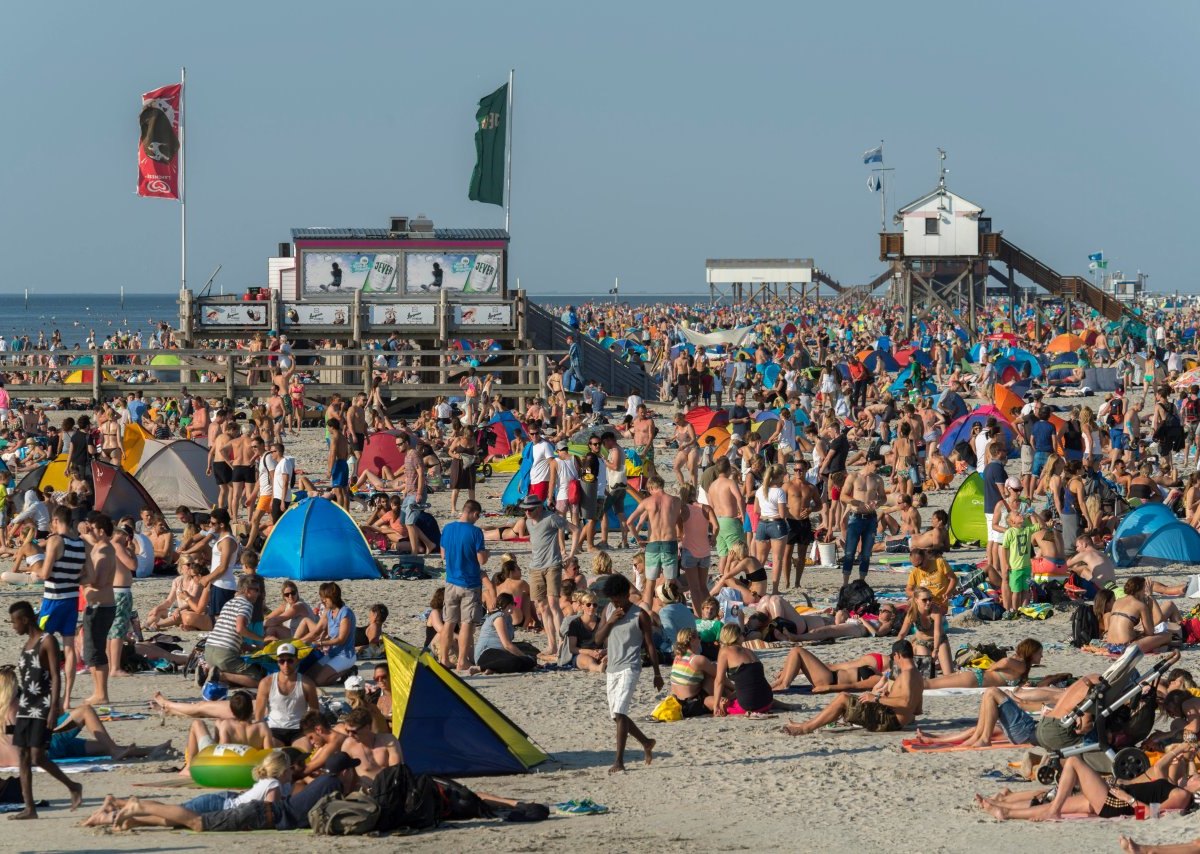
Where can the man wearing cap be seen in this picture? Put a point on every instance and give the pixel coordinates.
(542, 461)
(284, 698)
(464, 554)
(545, 575)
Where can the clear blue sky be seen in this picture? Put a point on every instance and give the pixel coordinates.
(648, 136)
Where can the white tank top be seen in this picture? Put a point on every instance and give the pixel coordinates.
(284, 711)
(227, 580)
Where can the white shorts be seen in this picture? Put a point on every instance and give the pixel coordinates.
(620, 687)
(701, 496)
(205, 740)
(341, 662)
(995, 536)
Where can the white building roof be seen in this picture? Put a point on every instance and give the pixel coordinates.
(929, 202)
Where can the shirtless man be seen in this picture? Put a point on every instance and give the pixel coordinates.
(339, 469)
(680, 367)
(277, 413)
(234, 723)
(356, 427)
(725, 498)
(899, 533)
(97, 581)
(802, 501)
(893, 704)
(243, 460)
(220, 457)
(644, 431)
(862, 493)
(937, 538)
(663, 511)
(375, 751)
(1093, 569)
(125, 567)
(320, 741)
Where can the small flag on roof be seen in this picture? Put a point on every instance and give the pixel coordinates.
(874, 155)
(874, 184)
(1096, 256)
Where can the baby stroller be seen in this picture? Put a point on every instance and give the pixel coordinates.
(1124, 704)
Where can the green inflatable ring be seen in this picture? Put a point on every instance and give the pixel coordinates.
(226, 766)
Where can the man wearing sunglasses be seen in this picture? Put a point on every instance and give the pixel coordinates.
(284, 698)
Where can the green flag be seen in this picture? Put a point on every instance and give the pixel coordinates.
(491, 125)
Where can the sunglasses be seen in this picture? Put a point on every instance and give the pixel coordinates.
(286, 660)
(289, 593)
(589, 604)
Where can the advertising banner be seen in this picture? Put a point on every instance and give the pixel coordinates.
(483, 315)
(316, 314)
(236, 314)
(403, 315)
(158, 143)
(343, 272)
(466, 273)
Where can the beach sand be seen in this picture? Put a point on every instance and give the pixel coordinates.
(715, 784)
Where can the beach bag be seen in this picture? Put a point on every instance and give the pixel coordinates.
(668, 710)
(406, 800)
(574, 493)
(1084, 626)
(988, 610)
(353, 815)
(857, 597)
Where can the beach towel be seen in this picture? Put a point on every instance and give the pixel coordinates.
(910, 745)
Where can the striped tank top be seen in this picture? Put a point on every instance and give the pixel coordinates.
(63, 580)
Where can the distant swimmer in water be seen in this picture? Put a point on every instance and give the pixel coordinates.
(336, 278)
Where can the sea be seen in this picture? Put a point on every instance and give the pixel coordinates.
(75, 315)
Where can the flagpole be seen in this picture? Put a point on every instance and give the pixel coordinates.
(508, 152)
(182, 181)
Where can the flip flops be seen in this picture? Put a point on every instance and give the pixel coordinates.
(584, 807)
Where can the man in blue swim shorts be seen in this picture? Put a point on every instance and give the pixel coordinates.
(339, 468)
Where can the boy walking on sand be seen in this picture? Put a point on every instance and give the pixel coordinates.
(627, 632)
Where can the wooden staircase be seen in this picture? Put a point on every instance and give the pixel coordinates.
(1069, 287)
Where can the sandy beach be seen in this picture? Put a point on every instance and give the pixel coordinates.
(729, 783)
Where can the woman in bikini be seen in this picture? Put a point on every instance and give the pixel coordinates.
(110, 436)
(857, 674)
(1131, 619)
(1008, 672)
(924, 628)
(692, 675)
(516, 531)
(688, 455)
(508, 580)
(186, 604)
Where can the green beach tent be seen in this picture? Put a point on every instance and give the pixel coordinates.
(967, 522)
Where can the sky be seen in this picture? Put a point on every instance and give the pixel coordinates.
(647, 137)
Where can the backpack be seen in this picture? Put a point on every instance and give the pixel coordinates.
(857, 597)
(1116, 412)
(352, 815)
(406, 800)
(1191, 410)
(1084, 626)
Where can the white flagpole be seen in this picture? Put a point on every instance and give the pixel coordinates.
(508, 152)
(182, 182)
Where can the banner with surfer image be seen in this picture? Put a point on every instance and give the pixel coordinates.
(345, 272)
(453, 272)
(159, 143)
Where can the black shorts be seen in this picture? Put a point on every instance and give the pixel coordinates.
(31, 732)
(799, 531)
(693, 707)
(222, 473)
(256, 815)
(358, 442)
(97, 620)
(285, 736)
(243, 474)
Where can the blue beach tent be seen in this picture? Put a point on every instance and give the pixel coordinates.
(1173, 543)
(316, 540)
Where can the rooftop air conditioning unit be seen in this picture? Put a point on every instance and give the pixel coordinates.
(399, 224)
(421, 224)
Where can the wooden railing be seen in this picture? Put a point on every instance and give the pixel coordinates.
(210, 371)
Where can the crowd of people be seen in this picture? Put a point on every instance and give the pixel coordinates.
(659, 544)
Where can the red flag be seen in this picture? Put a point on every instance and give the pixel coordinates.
(158, 144)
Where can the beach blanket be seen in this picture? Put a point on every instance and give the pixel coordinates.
(111, 715)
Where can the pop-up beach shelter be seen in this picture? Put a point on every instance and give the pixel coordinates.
(1137, 529)
(1175, 542)
(967, 522)
(504, 427)
(316, 540)
(116, 492)
(380, 450)
(704, 418)
(174, 472)
(960, 429)
(445, 726)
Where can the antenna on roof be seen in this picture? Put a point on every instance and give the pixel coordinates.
(942, 170)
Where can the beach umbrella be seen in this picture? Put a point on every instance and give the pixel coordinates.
(1065, 343)
(1188, 378)
(1001, 336)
